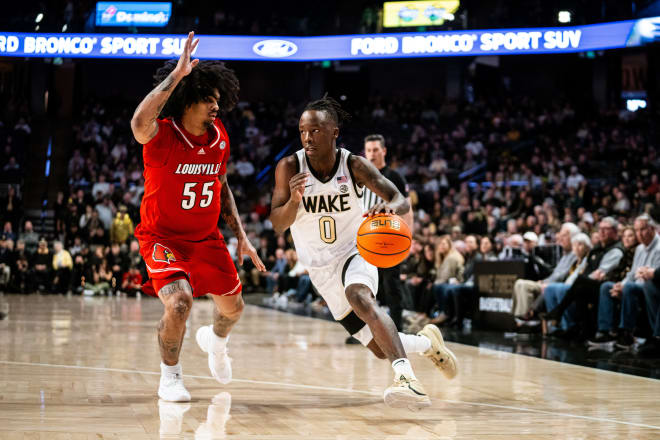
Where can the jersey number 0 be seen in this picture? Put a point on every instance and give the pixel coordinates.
(328, 229)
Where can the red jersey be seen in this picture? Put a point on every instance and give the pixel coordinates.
(181, 187)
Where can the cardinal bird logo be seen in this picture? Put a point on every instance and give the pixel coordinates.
(162, 253)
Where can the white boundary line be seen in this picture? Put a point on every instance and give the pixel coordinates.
(343, 390)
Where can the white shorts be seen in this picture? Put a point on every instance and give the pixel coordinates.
(331, 282)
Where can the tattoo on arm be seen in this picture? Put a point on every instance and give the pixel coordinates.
(144, 118)
(369, 176)
(229, 212)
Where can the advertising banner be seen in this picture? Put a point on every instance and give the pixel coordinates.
(344, 47)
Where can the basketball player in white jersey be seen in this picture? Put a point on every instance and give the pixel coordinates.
(318, 194)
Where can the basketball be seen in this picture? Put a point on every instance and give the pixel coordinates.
(384, 240)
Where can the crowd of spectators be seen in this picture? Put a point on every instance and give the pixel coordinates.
(488, 181)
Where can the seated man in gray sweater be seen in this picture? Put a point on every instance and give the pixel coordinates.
(637, 284)
(525, 291)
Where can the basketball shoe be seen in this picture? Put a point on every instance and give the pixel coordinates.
(171, 387)
(439, 354)
(219, 360)
(406, 392)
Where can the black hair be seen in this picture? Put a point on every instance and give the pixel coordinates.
(198, 85)
(331, 107)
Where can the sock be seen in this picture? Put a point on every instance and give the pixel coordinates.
(402, 367)
(219, 343)
(415, 343)
(170, 369)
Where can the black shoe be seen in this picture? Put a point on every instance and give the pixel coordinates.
(352, 341)
(650, 349)
(602, 338)
(625, 341)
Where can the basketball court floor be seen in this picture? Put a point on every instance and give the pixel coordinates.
(88, 368)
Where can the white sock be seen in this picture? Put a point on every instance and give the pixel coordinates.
(402, 367)
(219, 343)
(170, 369)
(415, 343)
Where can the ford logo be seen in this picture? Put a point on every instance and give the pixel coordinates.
(275, 48)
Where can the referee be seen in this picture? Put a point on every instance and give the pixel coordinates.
(390, 285)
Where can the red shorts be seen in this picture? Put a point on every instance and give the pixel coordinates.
(206, 265)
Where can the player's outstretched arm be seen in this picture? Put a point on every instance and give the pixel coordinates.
(143, 123)
(230, 215)
(288, 192)
(368, 175)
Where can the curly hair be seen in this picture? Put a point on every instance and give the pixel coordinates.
(331, 107)
(199, 84)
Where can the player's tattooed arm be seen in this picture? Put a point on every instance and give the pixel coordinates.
(366, 174)
(143, 123)
(229, 212)
(288, 192)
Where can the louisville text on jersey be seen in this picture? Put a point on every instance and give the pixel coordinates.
(326, 203)
(198, 168)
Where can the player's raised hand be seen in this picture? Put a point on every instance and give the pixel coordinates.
(297, 186)
(245, 248)
(379, 208)
(185, 66)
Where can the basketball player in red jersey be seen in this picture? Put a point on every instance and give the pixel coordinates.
(186, 190)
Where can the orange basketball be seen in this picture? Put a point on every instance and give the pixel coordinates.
(384, 240)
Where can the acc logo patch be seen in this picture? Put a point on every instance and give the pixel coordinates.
(343, 189)
(223, 144)
(162, 253)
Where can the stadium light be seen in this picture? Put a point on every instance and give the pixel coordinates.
(40, 17)
(564, 17)
(65, 27)
(449, 16)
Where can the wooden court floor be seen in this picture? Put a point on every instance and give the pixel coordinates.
(87, 368)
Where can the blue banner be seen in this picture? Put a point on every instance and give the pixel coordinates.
(344, 47)
(133, 14)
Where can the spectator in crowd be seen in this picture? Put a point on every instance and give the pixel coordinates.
(607, 324)
(132, 281)
(585, 289)
(42, 264)
(8, 233)
(29, 237)
(525, 291)
(122, 226)
(106, 211)
(631, 288)
(276, 272)
(450, 266)
(554, 292)
(486, 251)
(62, 268)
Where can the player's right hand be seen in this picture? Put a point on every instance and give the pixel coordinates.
(297, 186)
(185, 66)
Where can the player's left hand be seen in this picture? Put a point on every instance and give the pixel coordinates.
(245, 248)
(379, 208)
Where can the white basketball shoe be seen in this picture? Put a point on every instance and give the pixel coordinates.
(216, 347)
(171, 387)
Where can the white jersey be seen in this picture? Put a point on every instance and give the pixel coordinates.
(329, 214)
